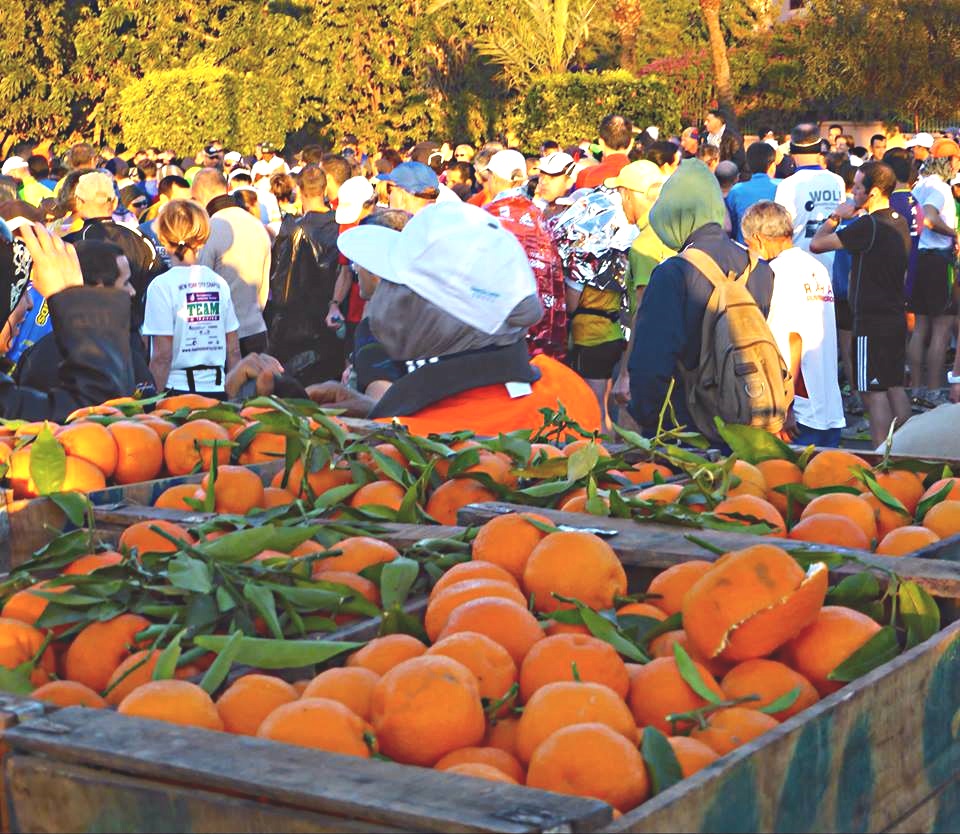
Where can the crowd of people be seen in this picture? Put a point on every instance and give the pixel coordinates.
(799, 282)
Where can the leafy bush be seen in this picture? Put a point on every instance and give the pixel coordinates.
(568, 107)
(182, 108)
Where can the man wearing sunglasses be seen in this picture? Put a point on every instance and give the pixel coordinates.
(554, 183)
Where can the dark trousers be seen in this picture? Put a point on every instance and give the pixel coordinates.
(257, 343)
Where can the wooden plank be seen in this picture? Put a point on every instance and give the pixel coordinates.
(860, 760)
(406, 797)
(658, 546)
(937, 813)
(50, 797)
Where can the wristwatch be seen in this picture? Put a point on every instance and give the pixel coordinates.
(952, 378)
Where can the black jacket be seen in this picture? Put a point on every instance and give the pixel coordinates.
(145, 261)
(731, 147)
(670, 322)
(303, 271)
(92, 330)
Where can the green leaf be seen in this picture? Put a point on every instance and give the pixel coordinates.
(857, 588)
(167, 662)
(220, 668)
(241, 545)
(326, 596)
(225, 602)
(752, 444)
(396, 579)
(582, 462)
(919, 613)
(603, 629)
(389, 467)
(883, 495)
(785, 701)
(661, 761)
(48, 462)
(879, 649)
(277, 654)
(189, 574)
(690, 673)
(550, 468)
(262, 600)
(637, 441)
(335, 495)
(547, 490)
(17, 680)
(928, 503)
(75, 505)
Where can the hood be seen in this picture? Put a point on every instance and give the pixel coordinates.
(690, 198)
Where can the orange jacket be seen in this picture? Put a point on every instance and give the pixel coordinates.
(490, 410)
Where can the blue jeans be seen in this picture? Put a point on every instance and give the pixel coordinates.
(816, 437)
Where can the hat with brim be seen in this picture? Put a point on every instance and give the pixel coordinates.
(413, 177)
(14, 163)
(944, 149)
(637, 176)
(921, 140)
(557, 163)
(353, 195)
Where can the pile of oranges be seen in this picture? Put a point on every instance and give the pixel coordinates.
(509, 685)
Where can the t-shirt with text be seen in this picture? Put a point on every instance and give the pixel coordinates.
(811, 195)
(192, 304)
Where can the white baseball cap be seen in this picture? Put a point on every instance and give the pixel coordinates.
(232, 157)
(14, 163)
(353, 194)
(506, 163)
(556, 163)
(921, 140)
(452, 254)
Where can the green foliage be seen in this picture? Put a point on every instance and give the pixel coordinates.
(569, 107)
(183, 107)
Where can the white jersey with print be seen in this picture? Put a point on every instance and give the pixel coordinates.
(811, 195)
(192, 304)
(803, 303)
(933, 191)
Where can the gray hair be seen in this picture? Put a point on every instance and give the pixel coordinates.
(938, 166)
(767, 219)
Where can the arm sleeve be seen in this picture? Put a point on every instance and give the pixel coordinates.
(92, 328)
(660, 336)
(230, 320)
(858, 236)
(158, 316)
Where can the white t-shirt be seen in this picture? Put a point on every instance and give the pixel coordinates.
(811, 195)
(802, 303)
(267, 168)
(192, 304)
(933, 191)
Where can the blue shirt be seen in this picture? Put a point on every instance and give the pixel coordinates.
(745, 194)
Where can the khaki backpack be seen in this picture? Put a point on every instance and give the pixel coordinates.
(741, 376)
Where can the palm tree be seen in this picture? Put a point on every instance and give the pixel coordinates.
(718, 53)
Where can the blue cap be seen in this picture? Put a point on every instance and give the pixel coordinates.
(414, 177)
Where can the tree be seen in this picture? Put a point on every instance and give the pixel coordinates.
(718, 54)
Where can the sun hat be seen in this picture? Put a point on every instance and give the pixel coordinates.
(351, 198)
(414, 177)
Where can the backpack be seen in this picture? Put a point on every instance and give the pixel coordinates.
(741, 376)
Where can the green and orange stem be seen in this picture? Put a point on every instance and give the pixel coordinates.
(699, 716)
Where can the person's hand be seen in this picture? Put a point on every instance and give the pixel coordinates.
(347, 373)
(55, 263)
(789, 431)
(846, 210)
(955, 392)
(334, 317)
(259, 366)
(621, 389)
(338, 395)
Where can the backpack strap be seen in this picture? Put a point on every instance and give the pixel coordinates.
(711, 270)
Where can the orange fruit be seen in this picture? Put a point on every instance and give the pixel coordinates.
(833, 467)
(502, 620)
(488, 756)
(554, 628)
(751, 602)
(68, 694)
(86, 411)
(27, 605)
(573, 564)
(591, 760)
(381, 654)
(265, 447)
(641, 609)
(173, 701)
(887, 519)
(357, 553)
(379, 493)
(852, 507)
(250, 699)
(943, 519)
(906, 540)
(777, 473)
(747, 480)
(827, 528)
(547, 450)
(481, 771)
(184, 448)
(472, 570)
(733, 727)
(20, 642)
(443, 604)
(567, 657)
(672, 584)
(692, 755)
(904, 486)
(662, 646)
(448, 498)
(770, 680)
(658, 690)
(100, 648)
(352, 686)
(139, 452)
(497, 465)
(90, 442)
(442, 466)
(236, 490)
(578, 504)
(161, 428)
(319, 723)
(425, 708)
(18, 474)
(93, 562)
(952, 495)
(363, 586)
(661, 493)
(828, 641)
(145, 539)
(508, 540)
(387, 450)
(135, 671)
(586, 442)
(503, 735)
(561, 703)
(82, 476)
(646, 471)
(193, 402)
(749, 505)
(489, 661)
(172, 498)
(276, 497)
